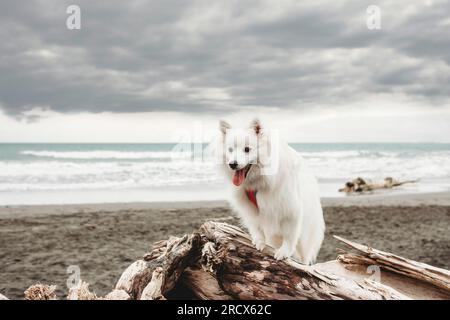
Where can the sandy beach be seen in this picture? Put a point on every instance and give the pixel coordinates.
(39, 243)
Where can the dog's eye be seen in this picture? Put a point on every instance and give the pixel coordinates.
(247, 149)
(230, 149)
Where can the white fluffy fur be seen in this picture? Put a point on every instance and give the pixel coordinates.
(289, 215)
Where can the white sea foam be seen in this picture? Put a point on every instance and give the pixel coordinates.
(59, 175)
(91, 155)
(40, 170)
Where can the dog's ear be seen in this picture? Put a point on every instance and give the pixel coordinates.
(224, 126)
(256, 126)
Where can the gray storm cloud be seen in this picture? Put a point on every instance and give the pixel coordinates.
(210, 56)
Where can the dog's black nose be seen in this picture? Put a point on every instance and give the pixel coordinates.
(233, 165)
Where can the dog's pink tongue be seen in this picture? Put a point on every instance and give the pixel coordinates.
(239, 177)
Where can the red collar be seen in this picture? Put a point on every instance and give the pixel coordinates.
(251, 195)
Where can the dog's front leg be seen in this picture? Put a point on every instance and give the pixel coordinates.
(256, 233)
(289, 231)
(258, 239)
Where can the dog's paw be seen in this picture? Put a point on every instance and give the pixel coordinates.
(282, 253)
(259, 244)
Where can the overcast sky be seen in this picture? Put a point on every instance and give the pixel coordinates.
(139, 70)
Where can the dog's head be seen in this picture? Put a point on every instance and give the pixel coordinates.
(240, 151)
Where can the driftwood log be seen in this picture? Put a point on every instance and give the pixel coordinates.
(219, 262)
(359, 185)
(437, 277)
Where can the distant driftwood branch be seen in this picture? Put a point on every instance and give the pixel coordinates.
(219, 262)
(359, 185)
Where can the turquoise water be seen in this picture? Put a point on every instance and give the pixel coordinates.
(77, 173)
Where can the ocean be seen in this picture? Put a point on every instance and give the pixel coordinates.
(98, 173)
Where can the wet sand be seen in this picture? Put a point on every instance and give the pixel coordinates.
(39, 243)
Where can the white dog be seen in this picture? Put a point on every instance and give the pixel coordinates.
(273, 191)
